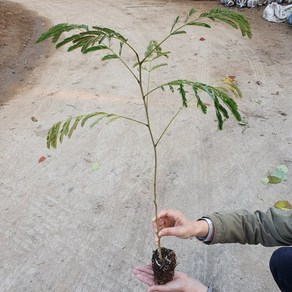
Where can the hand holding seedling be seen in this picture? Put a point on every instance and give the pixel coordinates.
(180, 283)
(175, 223)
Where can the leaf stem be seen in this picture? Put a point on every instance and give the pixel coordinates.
(165, 39)
(168, 125)
(148, 84)
(133, 120)
(125, 64)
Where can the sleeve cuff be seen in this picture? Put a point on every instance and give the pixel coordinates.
(210, 234)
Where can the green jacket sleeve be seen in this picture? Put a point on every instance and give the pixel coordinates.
(271, 228)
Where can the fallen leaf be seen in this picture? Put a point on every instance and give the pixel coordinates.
(42, 158)
(284, 205)
(281, 172)
(259, 83)
(202, 39)
(270, 180)
(277, 176)
(95, 166)
(34, 119)
(231, 77)
(265, 180)
(274, 179)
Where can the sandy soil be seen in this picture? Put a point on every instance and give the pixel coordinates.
(65, 227)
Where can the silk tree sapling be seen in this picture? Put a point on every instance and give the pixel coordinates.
(99, 39)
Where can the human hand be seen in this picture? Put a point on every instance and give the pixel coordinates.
(174, 223)
(180, 283)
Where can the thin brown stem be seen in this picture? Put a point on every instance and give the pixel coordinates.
(155, 200)
(155, 155)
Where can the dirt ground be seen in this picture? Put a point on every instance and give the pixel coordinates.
(18, 53)
(65, 227)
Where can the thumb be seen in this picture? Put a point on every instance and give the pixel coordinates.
(170, 231)
(160, 288)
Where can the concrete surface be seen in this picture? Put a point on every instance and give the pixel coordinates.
(64, 227)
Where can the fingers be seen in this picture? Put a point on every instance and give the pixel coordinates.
(144, 278)
(167, 213)
(172, 231)
(144, 274)
(144, 269)
(166, 220)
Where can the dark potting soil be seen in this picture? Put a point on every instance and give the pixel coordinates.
(163, 269)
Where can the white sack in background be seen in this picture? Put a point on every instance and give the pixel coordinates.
(277, 13)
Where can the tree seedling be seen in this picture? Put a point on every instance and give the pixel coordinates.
(98, 39)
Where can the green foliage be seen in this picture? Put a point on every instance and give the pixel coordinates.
(90, 40)
(230, 17)
(64, 129)
(98, 38)
(57, 30)
(218, 96)
(87, 40)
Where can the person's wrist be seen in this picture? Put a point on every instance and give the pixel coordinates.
(200, 228)
(195, 286)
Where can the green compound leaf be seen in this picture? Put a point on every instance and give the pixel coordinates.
(56, 31)
(222, 101)
(85, 39)
(62, 129)
(234, 19)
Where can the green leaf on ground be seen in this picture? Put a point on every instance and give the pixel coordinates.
(283, 205)
(281, 172)
(265, 180)
(277, 176)
(95, 166)
(271, 180)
